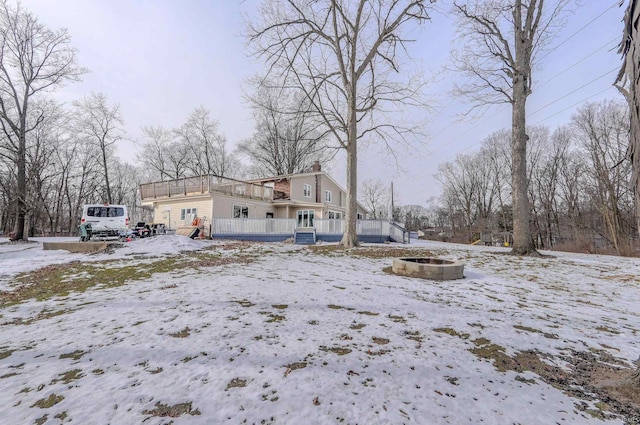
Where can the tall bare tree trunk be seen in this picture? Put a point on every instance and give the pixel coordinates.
(522, 243)
(350, 236)
(21, 201)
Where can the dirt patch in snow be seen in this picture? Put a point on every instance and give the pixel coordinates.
(607, 384)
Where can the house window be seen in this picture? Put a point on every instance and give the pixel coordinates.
(240, 211)
(327, 196)
(359, 216)
(305, 218)
(188, 214)
(335, 215)
(307, 191)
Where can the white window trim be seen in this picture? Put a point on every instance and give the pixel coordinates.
(328, 196)
(306, 190)
(241, 207)
(188, 214)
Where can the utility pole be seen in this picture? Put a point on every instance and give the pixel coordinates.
(392, 206)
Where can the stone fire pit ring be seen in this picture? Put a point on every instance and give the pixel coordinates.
(428, 268)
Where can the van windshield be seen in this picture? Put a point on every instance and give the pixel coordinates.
(105, 212)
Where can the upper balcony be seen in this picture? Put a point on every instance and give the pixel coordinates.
(190, 186)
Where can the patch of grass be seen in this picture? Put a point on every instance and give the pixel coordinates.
(377, 353)
(182, 333)
(164, 410)
(61, 279)
(452, 332)
(5, 353)
(368, 313)
(533, 330)
(380, 341)
(75, 355)
(606, 329)
(68, 376)
(296, 366)
(41, 420)
(357, 326)
(280, 306)
(46, 403)
(368, 252)
(341, 351)
(520, 378)
(275, 318)
(484, 349)
(62, 416)
(245, 303)
(414, 336)
(9, 375)
(236, 383)
(97, 372)
(397, 319)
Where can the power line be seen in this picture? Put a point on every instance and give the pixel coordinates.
(580, 29)
(573, 91)
(573, 105)
(578, 62)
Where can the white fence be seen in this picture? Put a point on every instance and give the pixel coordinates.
(253, 226)
(281, 226)
(372, 227)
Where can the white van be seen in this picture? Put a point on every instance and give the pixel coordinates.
(106, 220)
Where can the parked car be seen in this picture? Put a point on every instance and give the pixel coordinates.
(106, 220)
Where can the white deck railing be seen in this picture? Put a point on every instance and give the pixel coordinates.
(253, 226)
(280, 226)
(204, 184)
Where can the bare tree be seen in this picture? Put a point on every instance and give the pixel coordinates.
(343, 57)
(100, 125)
(33, 58)
(460, 186)
(502, 38)
(286, 139)
(163, 154)
(545, 174)
(200, 136)
(376, 197)
(602, 129)
(495, 148)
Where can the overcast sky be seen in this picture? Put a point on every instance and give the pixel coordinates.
(160, 59)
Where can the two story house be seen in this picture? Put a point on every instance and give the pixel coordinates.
(310, 200)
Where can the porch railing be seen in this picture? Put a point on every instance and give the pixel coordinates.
(281, 226)
(253, 226)
(204, 184)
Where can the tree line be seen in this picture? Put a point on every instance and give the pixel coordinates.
(579, 189)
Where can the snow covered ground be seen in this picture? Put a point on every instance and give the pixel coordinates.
(291, 336)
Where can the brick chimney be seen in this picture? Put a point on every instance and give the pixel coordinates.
(316, 167)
